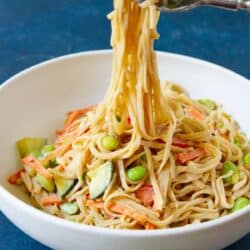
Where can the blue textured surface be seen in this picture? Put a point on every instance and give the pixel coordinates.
(34, 31)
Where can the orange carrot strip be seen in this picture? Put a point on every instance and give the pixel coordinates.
(129, 212)
(190, 155)
(32, 162)
(96, 204)
(15, 176)
(116, 208)
(195, 113)
(72, 116)
(51, 200)
(150, 226)
(179, 142)
(84, 110)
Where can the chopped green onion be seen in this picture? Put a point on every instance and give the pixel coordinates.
(208, 103)
(110, 142)
(136, 173)
(240, 203)
(230, 167)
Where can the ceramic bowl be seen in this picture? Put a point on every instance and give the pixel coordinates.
(34, 102)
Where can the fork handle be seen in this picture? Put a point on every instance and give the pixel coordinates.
(228, 4)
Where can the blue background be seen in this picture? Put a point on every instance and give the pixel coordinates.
(34, 31)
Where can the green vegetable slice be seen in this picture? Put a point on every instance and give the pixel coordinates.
(229, 166)
(100, 179)
(240, 203)
(208, 103)
(48, 185)
(246, 160)
(64, 186)
(69, 208)
(28, 146)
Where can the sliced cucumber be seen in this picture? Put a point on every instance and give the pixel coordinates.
(64, 186)
(100, 179)
(48, 185)
(28, 146)
(69, 208)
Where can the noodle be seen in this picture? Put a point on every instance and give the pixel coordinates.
(182, 143)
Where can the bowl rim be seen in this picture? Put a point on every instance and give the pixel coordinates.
(28, 209)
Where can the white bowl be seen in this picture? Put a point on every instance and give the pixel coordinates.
(33, 103)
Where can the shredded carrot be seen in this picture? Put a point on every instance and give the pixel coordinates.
(84, 110)
(96, 204)
(73, 116)
(116, 208)
(150, 226)
(179, 142)
(59, 151)
(195, 113)
(33, 163)
(190, 155)
(15, 176)
(51, 200)
(142, 219)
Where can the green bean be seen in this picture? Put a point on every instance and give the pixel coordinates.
(240, 203)
(230, 167)
(136, 173)
(110, 142)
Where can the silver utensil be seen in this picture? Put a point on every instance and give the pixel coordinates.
(183, 5)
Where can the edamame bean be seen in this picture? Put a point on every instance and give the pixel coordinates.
(136, 173)
(110, 142)
(240, 203)
(230, 167)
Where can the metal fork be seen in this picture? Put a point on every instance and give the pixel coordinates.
(184, 5)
